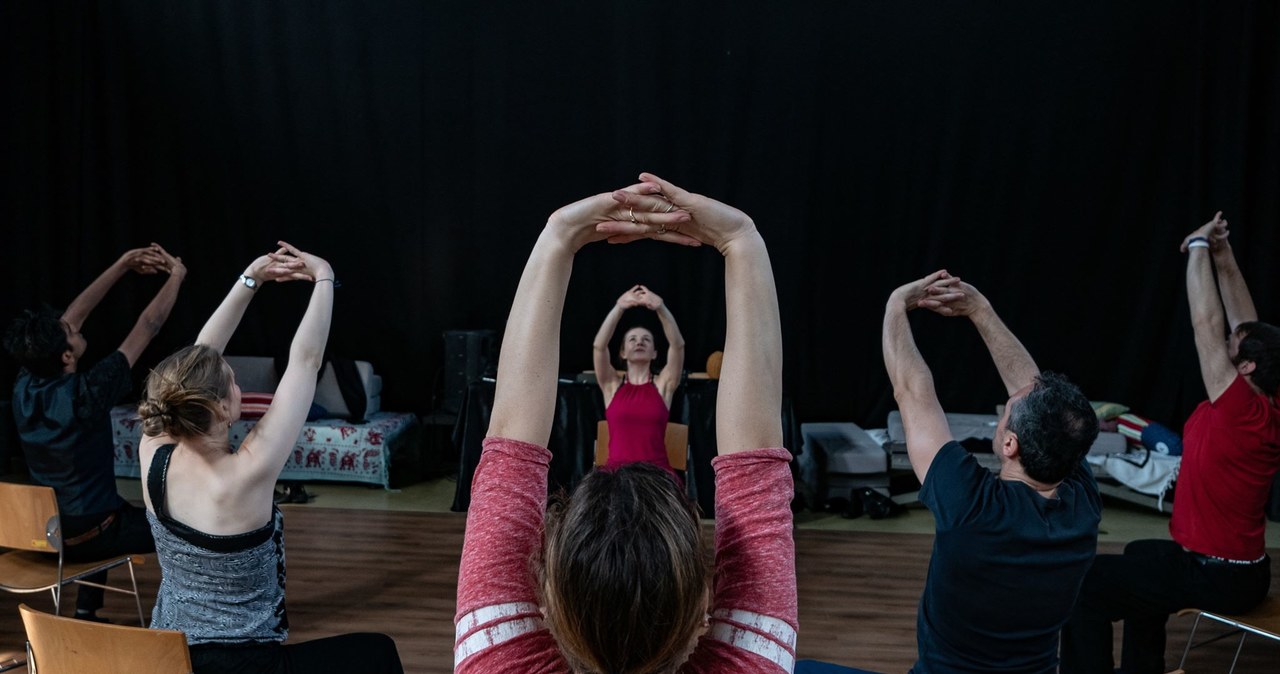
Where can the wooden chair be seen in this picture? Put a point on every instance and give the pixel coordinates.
(1263, 621)
(57, 645)
(677, 441)
(31, 527)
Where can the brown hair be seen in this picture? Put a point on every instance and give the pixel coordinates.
(624, 574)
(183, 393)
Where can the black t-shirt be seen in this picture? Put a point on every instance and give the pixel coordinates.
(1006, 568)
(65, 427)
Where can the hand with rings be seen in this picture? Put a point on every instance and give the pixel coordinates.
(581, 222)
(649, 214)
(708, 220)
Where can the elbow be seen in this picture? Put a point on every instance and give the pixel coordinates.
(1208, 323)
(909, 389)
(151, 323)
(308, 357)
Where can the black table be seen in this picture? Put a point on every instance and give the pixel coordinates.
(579, 407)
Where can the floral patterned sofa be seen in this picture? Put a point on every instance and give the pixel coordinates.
(331, 449)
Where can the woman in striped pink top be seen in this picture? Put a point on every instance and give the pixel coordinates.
(615, 581)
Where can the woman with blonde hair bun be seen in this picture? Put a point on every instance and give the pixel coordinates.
(219, 536)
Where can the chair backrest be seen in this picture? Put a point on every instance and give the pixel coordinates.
(30, 519)
(67, 646)
(677, 441)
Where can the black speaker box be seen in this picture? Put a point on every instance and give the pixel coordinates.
(468, 356)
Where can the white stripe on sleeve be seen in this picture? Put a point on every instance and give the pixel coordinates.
(754, 642)
(492, 636)
(776, 629)
(488, 614)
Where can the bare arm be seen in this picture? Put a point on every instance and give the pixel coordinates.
(222, 324)
(1208, 324)
(601, 359)
(1231, 286)
(156, 313)
(1017, 369)
(268, 445)
(949, 296)
(923, 420)
(669, 378)
(141, 260)
(749, 403)
(528, 365)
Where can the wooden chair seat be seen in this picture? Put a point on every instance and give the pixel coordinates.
(22, 571)
(58, 645)
(32, 528)
(676, 441)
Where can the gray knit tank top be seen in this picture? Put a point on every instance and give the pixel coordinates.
(216, 589)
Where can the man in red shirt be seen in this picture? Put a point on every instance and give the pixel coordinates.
(1217, 559)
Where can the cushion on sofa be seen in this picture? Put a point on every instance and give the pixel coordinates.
(258, 373)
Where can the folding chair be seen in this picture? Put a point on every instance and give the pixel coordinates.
(677, 441)
(1263, 621)
(57, 645)
(31, 527)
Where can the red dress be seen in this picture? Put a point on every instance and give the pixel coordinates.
(637, 418)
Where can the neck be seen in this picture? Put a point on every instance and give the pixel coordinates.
(216, 441)
(1012, 471)
(638, 373)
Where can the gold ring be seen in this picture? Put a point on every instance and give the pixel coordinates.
(670, 207)
(631, 213)
(662, 229)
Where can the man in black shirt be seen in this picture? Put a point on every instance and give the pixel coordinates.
(1010, 550)
(62, 414)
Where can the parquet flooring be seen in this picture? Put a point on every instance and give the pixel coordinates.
(396, 572)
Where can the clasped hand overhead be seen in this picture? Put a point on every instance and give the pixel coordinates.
(651, 209)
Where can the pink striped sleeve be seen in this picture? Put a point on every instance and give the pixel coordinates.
(753, 622)
(498, 624)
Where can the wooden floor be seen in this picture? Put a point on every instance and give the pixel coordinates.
(396, 572)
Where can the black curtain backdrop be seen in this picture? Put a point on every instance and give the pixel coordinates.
(1053, 154)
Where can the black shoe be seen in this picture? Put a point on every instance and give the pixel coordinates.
(853, 509)
(91, 617)
(879, 506)
(296, 493)
(836, 505)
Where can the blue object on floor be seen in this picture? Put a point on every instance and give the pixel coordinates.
(815, 667)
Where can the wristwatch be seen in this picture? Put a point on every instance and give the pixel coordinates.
(249, 282)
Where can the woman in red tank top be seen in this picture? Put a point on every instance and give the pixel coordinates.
(638, 404)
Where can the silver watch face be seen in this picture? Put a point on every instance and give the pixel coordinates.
(249, 282)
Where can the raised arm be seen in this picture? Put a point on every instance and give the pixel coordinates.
(1231, 286)
(222, 324)
(923, 420)
(157, 311)
(1017, 368)
(749, 404)
(528, 365)
(1207, 320)
(142, 260)
(601, 358)
(753, 614)
(669, 378)
(268, 445)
